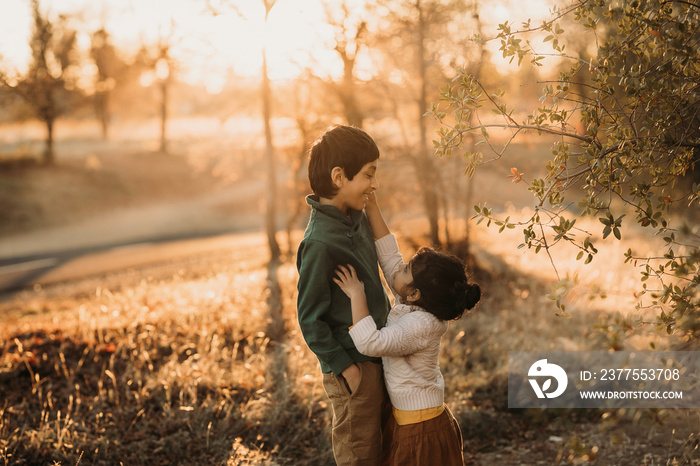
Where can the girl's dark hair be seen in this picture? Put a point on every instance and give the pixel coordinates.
(445, 290)
(346, 147)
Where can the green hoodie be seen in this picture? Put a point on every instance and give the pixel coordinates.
(332, 239)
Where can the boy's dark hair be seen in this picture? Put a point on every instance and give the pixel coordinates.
(445, 290)
(346, 147)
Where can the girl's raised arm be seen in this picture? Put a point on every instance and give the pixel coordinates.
(376, 220)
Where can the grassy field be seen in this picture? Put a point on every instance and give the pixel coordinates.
(182, 363)
(167, 365)
(199, 360)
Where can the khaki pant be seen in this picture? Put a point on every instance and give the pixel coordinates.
(358, 418)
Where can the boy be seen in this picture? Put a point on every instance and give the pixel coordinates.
(342, 174)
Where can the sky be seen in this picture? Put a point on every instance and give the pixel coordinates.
(210, 45)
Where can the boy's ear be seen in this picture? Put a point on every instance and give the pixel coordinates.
(338, 176)
(413, 296)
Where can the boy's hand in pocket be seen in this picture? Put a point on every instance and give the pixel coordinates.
(352, 377)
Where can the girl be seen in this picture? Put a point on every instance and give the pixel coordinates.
(429, 291)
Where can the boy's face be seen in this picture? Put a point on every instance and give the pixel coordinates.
(354, 193)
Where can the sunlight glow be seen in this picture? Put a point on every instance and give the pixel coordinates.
(14, 30)
(208, 45)
(86, 77)
(147, 78)
(162, 69)
(211, 45)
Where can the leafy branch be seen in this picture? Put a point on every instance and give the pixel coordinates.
(631, 143)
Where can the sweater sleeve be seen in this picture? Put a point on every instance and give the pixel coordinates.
(411, 333)
(389, 257)
(314, 306)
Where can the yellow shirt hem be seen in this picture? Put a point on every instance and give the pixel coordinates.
(414, 417)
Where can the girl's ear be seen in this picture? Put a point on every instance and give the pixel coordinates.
(338, 176)
(413, 296)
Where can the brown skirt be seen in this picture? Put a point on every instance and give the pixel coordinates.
(437, 441)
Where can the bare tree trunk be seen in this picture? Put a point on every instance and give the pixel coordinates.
(426, 169)
(102, 110)
(468, 200)
(271, 199)
(477, 73)
(446, 219)
(163, 114)
(298, 187)
(49, 157)
(347, 93)
(348, 42)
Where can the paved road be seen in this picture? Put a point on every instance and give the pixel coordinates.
(21, 272)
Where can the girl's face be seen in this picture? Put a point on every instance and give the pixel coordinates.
(402, 281)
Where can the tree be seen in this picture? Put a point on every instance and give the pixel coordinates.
(108, 66)
(48, 87)
(269, 153)
(477, 73)
(416, 24)
(424, 165)
(158, 69)
(163, 69)
(310, 114)
(628, 143)
(271, 199)
(350, 38)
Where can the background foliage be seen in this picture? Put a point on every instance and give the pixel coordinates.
(627, 139)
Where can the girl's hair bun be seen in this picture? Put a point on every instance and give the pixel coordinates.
(444, 284)
(472, 295)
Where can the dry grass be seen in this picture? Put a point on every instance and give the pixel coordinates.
(192, 362)
(172, 369)
(175, 364)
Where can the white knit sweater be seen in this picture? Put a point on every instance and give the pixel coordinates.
(409, 345)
